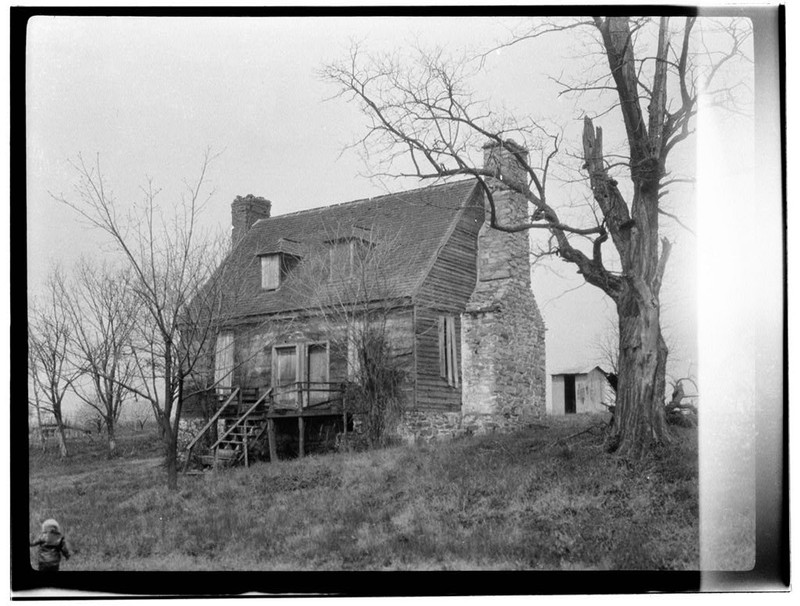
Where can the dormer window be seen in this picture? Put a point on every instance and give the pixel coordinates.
(271, 271)
(346, 254)
(278, 262)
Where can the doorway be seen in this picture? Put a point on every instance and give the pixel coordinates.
(317, 372)
(569, 394)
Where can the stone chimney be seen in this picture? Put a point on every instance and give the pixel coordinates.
(504, 256)
(502, 332)
(503, 161)
(245, 211)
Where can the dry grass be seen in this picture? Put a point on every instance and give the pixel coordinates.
(522, 501)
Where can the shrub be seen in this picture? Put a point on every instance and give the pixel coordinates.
(376, 393)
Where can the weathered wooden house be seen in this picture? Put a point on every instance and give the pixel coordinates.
(580, 390)
(464, 324)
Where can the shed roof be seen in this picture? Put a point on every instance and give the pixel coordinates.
(422, 219)
(577, 370)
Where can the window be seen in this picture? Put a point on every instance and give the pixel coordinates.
(346, 255)
(270, 271)
(448, 350)
(341, 258)
(275, 267)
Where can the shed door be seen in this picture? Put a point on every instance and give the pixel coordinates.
(569, 394)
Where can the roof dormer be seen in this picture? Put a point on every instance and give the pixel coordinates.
(277, 262)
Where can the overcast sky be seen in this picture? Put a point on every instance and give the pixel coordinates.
(150, 95)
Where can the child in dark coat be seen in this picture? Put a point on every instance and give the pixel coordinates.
(52, 545)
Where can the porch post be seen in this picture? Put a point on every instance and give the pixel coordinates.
(273, 448)
(301, 428)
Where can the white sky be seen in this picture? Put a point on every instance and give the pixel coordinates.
(149, 95)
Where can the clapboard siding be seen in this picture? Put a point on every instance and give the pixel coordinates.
(451, 279)
(433, 391)
(445, 291)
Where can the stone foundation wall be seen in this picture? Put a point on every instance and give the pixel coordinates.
(427, 426)
(188, 428)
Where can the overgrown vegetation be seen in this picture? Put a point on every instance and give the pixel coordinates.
(542, 498)
(376, 392)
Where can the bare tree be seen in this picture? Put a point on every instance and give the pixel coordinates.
(349, 286)
(35, 402)
(102, 309)
(425, 122)
(173, 265)
(49, 333)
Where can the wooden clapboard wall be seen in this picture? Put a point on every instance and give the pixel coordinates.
(445, 292)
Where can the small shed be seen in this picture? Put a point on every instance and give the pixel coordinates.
(580, 390)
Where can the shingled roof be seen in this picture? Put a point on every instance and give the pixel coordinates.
(422, 219)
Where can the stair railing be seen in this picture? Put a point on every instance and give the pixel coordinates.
(242, 418)
(202, 432)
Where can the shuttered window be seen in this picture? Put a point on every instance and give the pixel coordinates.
(448, 350)
(270, 271)
(223, 360)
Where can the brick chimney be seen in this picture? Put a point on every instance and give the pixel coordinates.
(245, 211)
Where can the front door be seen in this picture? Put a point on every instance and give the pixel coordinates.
(285, 375)
(317, 373)
(569, 394)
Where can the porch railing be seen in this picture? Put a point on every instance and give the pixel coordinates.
(301, 395)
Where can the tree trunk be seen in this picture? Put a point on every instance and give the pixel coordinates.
(112, 442)
(170, 451)
(42, 440)
(639, 422)
(171, 461)
(62, 440)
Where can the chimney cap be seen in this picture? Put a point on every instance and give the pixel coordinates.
(507, 143)
(251, 199)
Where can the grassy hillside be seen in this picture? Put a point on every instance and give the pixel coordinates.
(530, 500)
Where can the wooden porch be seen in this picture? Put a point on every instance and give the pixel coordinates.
(247, 416)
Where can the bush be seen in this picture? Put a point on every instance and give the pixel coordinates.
(375, 393)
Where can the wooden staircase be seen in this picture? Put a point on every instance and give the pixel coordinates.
(245, 417)
(235, 443)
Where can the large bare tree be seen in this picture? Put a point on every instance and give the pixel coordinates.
(173, 263)
(425, 122)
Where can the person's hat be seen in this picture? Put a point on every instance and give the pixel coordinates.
(48, 523)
